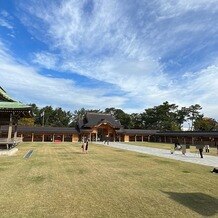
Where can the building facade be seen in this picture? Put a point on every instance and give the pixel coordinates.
(10, 112)
(102, 127)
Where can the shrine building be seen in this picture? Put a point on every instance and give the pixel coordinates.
(92, 126)
(10, 112)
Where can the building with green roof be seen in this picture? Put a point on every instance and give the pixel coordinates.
(10, 112)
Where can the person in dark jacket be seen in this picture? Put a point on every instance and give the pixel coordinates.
(201, 152)
(200, 147)
(86, 146)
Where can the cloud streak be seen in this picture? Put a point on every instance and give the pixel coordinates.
(26, 84)
(150, 51)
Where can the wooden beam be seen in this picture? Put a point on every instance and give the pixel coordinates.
(10, 127)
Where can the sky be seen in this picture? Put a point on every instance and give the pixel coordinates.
(96, 54)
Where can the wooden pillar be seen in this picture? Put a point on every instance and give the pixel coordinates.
(10, 127)
(96, 136)
(149, 138)
(135, 137)
(43, 137)
(171, 140)
(53, 137)
(15, 131)
(32, 137)
(193, 141)
(90, 136)
(75, 137)
(142, 138)
(126, 138)
(63, 138)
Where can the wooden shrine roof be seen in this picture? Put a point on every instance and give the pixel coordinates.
(137, 131)
(42, 129)
(4, 96)
(7, 104)
(188, 133)
(95, 119)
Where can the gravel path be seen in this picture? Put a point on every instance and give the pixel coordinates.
(208, 160)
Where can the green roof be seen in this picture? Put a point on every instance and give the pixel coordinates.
(7, 103)
(13, 105)
(4, 96)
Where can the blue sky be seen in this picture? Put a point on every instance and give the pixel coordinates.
(98, 53)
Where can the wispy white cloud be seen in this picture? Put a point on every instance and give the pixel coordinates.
(26, 84)
(45, 59)
(129, 46)
(169, 8)
(199, 88)
(5, 20)
(5, 23)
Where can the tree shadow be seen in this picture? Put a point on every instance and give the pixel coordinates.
(201, 203)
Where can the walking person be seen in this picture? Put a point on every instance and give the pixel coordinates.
(201, 148)
(86, 146)
(201, 152)
(83, 145)
(216, 145)
(207, 148)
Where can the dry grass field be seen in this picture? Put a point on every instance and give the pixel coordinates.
(213, 151)
(59, 181)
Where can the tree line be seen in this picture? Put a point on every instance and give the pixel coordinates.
(162, 117)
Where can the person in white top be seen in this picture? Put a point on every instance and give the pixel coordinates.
(207, 148)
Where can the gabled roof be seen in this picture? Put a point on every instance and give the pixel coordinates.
(96, 119)
(4, 96)
(7, 104)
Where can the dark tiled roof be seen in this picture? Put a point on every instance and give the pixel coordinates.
(168, 133)
(94, 119)
(137, 131)
(42, 129)
(188, 133)
(80, 123)
(70, 130)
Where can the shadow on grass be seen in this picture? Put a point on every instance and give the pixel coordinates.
(164, 161)
(143, 156)
(201, 203)
(120, 150)
(186, 171)
(2, 168)
(37, 179)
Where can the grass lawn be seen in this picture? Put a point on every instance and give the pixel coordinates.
(59, 181)
(213, 151)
